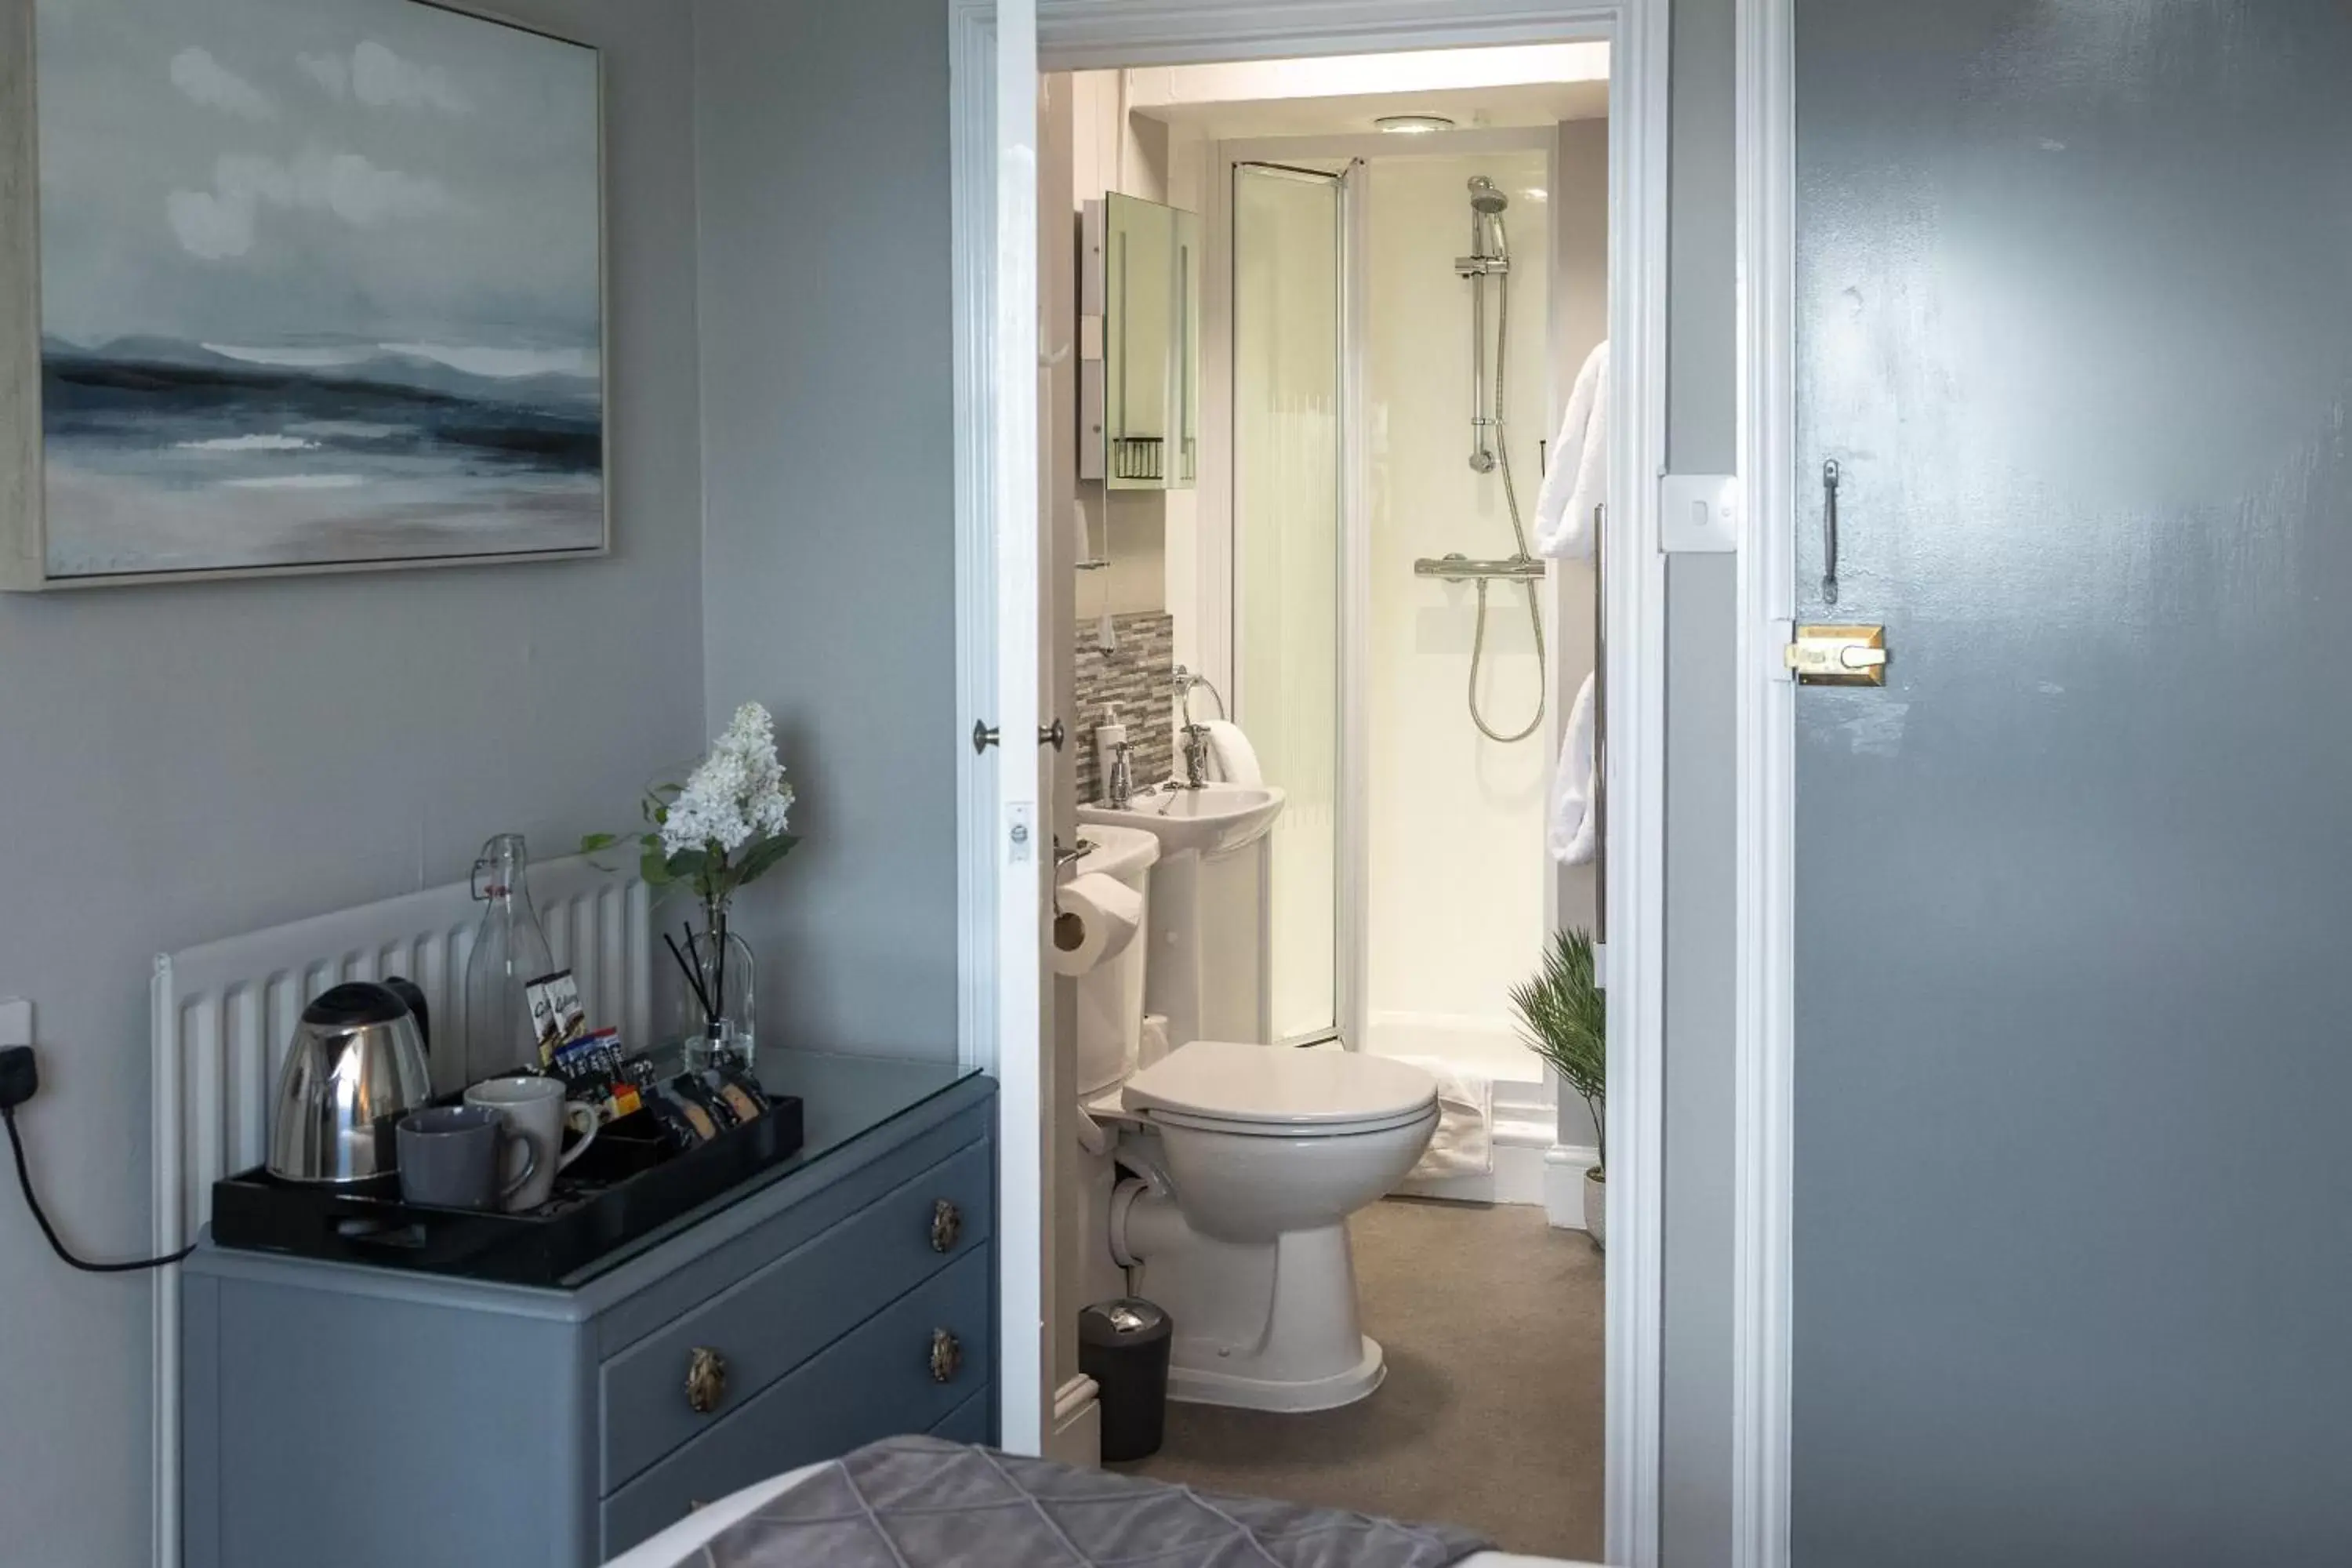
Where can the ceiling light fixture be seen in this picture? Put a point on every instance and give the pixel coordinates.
(1412, 125)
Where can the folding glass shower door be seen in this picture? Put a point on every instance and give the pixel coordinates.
(1289, 304)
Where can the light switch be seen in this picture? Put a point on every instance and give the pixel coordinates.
(1699, 512)
(15, 1021)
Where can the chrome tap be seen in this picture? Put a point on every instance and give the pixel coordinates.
(1119, 790)
(1195, 734)
(1196, 755)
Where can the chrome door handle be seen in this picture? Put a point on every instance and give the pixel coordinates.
(1600, 722)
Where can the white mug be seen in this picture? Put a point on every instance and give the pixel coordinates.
(535, 1109)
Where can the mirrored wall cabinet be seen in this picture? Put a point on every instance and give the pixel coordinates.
(1139, 309)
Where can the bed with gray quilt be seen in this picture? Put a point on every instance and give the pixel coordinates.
(920, 1503)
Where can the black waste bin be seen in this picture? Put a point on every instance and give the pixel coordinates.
(1123, 1346)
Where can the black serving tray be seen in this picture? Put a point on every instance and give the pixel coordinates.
(625, 1187)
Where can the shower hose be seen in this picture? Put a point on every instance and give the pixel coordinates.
(1519, 533)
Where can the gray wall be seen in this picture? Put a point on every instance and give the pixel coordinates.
(180, 763)
(1701, 437)
(829, 493)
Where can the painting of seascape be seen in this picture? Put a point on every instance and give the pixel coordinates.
(321, 284)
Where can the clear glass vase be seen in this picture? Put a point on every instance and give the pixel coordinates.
(510, 951)
(717, 1008)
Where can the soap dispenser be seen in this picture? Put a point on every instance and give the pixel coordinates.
(1109, 736)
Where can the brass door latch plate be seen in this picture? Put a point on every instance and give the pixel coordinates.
(1839, 656)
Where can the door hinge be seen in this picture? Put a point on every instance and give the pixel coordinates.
(1837, 655)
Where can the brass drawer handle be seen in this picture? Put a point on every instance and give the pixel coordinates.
(947, 1356)
(706, 1380)
(947, 1225)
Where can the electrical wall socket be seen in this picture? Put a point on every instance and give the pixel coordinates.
(15, 1021)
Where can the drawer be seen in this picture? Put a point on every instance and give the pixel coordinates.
(967, 1422)
(765, 1326)
(877, 1382)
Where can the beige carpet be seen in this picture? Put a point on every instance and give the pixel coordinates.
(1491, 1413)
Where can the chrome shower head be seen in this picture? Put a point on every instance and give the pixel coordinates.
(1486, 204)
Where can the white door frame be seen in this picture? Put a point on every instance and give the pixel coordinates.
(995, 47)
(1765, 948)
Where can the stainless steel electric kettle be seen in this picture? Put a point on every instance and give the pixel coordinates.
(357, 1064)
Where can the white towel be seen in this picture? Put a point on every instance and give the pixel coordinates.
(1576, 481)
(1232, 758)
(1575, 826)
(1463, 1143)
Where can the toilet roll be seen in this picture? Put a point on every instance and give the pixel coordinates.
(1095, 917)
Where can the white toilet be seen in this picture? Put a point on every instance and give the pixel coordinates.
(1250, 1158)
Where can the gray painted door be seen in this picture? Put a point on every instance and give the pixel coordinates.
(2073, 1182)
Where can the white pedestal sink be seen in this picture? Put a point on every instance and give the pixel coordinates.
(1207, 967)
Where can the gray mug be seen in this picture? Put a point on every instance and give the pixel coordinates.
(452, 1156)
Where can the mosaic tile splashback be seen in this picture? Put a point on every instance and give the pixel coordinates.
(1134, 676)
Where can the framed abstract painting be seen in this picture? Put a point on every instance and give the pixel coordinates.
(295, 286)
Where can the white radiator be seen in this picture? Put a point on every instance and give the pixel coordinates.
(223, 1013)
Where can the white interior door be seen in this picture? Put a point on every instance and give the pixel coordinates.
(1025, 831)
(2070, 1253)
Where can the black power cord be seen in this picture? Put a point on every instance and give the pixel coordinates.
(17, 1082)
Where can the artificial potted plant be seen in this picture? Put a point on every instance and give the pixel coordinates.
(1564, 1018)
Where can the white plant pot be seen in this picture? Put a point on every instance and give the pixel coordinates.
(1596, 1207)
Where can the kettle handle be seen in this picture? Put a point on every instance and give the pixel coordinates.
(411, 993)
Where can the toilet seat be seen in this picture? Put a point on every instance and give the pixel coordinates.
(1274, 1091)
(1241, 1129)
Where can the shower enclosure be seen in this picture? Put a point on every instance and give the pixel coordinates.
(1396, 650)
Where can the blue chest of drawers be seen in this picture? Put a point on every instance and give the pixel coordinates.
(372, 1418)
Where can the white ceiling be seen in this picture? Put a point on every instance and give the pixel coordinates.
(1514, 85)
(1534, 103)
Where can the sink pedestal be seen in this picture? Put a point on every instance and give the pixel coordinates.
(1211, 912)
(1210, 938)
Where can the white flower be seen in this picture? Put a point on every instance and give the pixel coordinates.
(737, 794)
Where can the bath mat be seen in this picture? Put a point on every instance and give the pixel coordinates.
(1463, 1143)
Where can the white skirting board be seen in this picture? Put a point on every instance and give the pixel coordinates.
(1531, 1165)
(1563, 1183)
(1529, 1169)
(1521, 1141)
